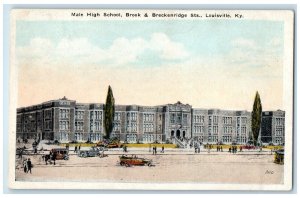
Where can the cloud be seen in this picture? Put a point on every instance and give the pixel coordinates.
(122, 51)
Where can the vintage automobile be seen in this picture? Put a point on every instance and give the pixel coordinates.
(61, 153)
(93, 152)
(134, 161)
(279, 156)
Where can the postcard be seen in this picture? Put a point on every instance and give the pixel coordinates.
(151, 99)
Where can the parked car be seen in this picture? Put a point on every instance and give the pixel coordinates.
(279, 156)
(93, 152)
(61, 153)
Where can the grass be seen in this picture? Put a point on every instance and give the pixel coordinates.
(131, 145)
(151, 145)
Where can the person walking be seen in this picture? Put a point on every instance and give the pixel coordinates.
(162, 149)
(75, 150)
(29, 165)
(54, 157)
(25, 166)
(153, 150)
(79, 147)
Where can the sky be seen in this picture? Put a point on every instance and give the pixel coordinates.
(207, 64)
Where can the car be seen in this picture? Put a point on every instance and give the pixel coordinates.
(93, 152)
(61, 153)
(134, 161)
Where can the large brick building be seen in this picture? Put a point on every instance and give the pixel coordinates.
(65, 120)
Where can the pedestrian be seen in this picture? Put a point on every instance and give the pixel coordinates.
(221, 148)
(54, 157)
(241, 148)
(21, 153)
(198, 149)
(153, 150)
(25, 166)
(229, 150)
(75, 150)
(29, 165)
(162, 149)
(79, 147)
(195, 149)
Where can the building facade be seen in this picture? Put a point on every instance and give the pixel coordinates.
(273, 127)
(65, 120)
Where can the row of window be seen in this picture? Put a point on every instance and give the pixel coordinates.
(95, 136)
(148, 117)
(148, 127)
(213, 120)
(227, 139)
(79, 114)
(227, 120)
(64, 113)
(97, 115)
(213, 129)
(117, 117)
(242, 129)
(131, 138)
(198, 119)
(117, 127)
(78, 126)
(78, 136)
(279, 140)
(242, 139)
(63, 136)
(64, 125)
(132, 116)
(279, 130)
(227, 129)
(95, 126)
(241, 119)
(198, 129)
(279, 121)
(148, 138)
(132, 127)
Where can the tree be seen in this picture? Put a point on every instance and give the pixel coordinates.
(256, 118)
(109, 113)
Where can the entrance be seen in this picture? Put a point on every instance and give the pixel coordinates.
(178, 133)
(172, 133)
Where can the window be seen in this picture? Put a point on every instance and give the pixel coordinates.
(173, 118)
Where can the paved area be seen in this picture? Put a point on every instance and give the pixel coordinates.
(175, 165)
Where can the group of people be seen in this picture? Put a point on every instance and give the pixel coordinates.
(233, 149)
(154, 150)
(27, 165)
(197, 149)
(77, 149)
(219, 148)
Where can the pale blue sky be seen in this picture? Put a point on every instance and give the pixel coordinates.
(199, 37)
(167, 60)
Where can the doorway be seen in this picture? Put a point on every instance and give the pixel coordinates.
(178, 133)
(172, 133)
